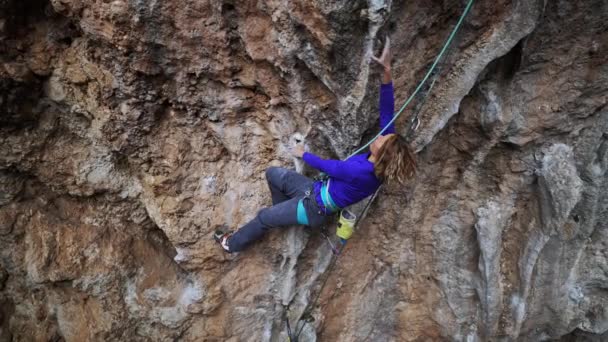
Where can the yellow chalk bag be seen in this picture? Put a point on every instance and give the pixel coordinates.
(346, 223)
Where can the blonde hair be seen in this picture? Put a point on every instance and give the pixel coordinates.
(396, 160)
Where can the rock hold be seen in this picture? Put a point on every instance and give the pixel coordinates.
(560, 189)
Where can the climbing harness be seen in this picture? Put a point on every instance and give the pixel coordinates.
(302, 217)
(328, 202)
(348, 221)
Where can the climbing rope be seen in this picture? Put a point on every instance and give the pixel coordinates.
(421, 84)
(414, 122)
(413, 125)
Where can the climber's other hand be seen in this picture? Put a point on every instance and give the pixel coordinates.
(297, 150)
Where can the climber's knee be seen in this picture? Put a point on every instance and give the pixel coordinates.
(274, 175)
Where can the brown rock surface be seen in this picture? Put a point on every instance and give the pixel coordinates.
(131, 130)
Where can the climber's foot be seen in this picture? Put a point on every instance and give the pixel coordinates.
(222, 237)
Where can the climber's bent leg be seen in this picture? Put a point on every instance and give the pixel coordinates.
(285, 184)
(280, 215)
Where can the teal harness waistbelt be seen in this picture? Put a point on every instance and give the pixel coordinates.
(328, 202)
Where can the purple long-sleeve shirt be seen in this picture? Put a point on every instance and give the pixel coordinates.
(353, 179)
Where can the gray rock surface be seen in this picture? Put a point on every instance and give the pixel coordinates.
(130, 131)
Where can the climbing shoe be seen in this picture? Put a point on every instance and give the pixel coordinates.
(222, 237)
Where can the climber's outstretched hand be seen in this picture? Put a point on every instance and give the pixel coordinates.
(297, 150)
(385, 57)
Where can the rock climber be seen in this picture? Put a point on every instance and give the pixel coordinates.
(297, 199)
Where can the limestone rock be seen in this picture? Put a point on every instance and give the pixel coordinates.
(130, 131)
(560, 188)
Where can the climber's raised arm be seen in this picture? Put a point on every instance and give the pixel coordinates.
(387, 98)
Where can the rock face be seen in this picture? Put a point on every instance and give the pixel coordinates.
(131, 130)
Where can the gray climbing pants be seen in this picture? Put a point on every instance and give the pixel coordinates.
(287, 187)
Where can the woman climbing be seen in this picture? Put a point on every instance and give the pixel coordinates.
(297, 199)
